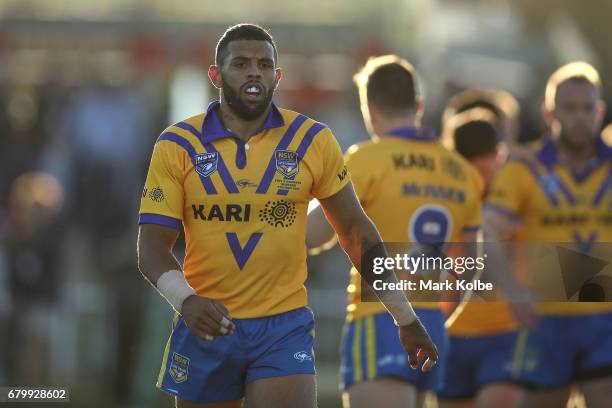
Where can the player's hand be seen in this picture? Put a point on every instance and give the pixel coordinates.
(418, 345)
(207, 318)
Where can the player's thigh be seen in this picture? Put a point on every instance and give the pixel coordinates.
(181, 403)
(545, 398)
(295, 391)
(499, 395)
(597, 392)
(381, 393)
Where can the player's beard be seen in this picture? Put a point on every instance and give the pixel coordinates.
(241, 109)
(576, 145)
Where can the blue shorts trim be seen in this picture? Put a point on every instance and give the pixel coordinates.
(475, 361)
(215, 371)
(371, 349)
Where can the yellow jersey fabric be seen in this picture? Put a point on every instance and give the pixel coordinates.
(243, 206)
(553, 203)
(414, 190)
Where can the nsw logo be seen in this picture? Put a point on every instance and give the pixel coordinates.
(302, 356)
(206, 163)
(179, 368)
(287, 163)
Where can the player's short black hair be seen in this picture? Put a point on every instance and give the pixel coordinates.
(389, 83)
(473, 133)
(243, 31)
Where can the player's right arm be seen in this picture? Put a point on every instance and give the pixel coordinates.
(160, 222)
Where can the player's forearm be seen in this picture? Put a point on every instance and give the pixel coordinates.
(155, 259)
(363, 236)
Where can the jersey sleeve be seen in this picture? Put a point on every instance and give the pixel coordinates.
(329, 172)
(509, 189)
(162, 197)
(473, 210)
(361, 172)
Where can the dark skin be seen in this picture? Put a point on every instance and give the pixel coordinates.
(251, 63)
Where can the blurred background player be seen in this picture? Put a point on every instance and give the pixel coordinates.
(500, 103)
(414, 190)
(566, 180)
(242, 328)
(479, 328)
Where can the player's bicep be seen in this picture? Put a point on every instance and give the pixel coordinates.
(343, 209)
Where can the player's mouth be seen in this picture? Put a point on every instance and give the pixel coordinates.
(253, 91)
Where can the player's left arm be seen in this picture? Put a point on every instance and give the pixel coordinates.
(357, 234)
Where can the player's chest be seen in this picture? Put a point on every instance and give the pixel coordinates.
(256, 171)
(563, 204)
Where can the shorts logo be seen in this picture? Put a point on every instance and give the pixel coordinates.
(278, 213)
(287, 163)
(302, 356)
(206, 163)
(179, 368)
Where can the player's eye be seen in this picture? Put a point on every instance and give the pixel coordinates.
(266, 65)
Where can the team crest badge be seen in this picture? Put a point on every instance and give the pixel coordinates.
(287, 163)
(179, 368)
(206, 163)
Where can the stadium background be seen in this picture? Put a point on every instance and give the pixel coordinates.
(85, 88)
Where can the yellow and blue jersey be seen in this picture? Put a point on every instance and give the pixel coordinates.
(414, 190)
(553, 203)
(243, 206)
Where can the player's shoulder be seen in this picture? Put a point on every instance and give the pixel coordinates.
(293, 118)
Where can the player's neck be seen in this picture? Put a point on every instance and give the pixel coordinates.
(385, 127)
(576, 158)
(243, 129)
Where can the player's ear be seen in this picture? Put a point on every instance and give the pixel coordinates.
(420, 108)
(547, 114)
(601, 110)
(279, 75)
(215, 76)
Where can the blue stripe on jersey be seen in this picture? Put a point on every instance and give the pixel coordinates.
(304, 145)
(190, 129)
(226, 177)
(282, 145)
(508, 213)
(159, 219)
(184, 143)
(539, 180)
(606, 186)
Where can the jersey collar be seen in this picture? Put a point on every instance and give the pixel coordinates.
(549, 156)
(213, 129)
(414, 133)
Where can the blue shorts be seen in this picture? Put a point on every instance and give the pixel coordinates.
(564, 349)
(371, 349)
(475, 361)
(215, 371)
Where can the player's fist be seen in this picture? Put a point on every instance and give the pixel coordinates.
(418, 345)
(207, 318)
